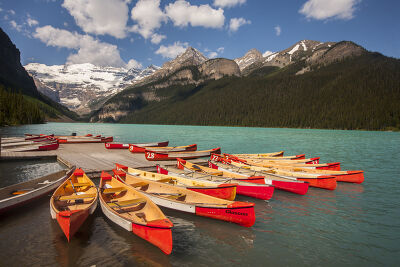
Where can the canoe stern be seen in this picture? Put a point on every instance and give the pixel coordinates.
(238, 212)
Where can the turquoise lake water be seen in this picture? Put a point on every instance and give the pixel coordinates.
(355, 225)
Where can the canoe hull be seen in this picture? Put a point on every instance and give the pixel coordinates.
(20, 200)
(133, 148)
(351, 177)
(158, 156)
(71, 221)
(293, 187)
(223, 191)
(323, 183)
(261, 192)
(159, 236)
(242, 214)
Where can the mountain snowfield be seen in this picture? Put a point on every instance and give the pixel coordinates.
(77, 85)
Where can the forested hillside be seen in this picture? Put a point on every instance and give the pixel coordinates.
(20, 101)
(360, 92)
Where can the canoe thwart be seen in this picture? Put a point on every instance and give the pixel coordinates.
(74, 197)
(114, 190)
(126, 203)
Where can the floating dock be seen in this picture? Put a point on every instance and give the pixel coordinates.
(91, 157)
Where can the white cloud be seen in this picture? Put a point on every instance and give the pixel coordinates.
(220, 50)
(100, 16)
(1, 9)
(171, 51)
(324, 9)
(16, 26)
(65, 24)
(87, 49)
(267, 53)
(133, 64)
(212, 55)
(157, 38)
(182, 13)
(149, 17)
(32, 22)
(278, 30)
(228, 3)
(236, 23)
(12, 12)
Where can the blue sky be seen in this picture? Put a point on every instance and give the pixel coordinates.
(128, 33)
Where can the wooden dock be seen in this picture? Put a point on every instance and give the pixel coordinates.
(92, 158)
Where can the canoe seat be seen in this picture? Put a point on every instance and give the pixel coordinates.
(78, 185)
(126, 203)
(114, 190)
(139, 184)
(74, 197)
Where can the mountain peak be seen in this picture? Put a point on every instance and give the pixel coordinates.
(252, 56)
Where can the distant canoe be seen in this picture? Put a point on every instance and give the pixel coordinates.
(136, 148)
(33, 147)
(154, 156)
(135, 212)
(282, 183)
(315, 180)
(19, 194)
(182, 199)
(126, 146)
(73, 201)
(278, 155)
(85, 140)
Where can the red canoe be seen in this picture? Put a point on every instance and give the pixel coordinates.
(73, 201)
(281, 183)
(85, 140)
(182, 199)
(154, 156)
(135, 148)
(245, 187)
(135, 212)
(126, 146)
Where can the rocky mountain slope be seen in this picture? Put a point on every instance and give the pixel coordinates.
(81, 86)
(25, 101)
(310, 84)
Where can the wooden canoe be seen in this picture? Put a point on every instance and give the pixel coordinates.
(153, 155)
(275, 159)
(281, 183)
(219, 190)
(341, 176)
(335, 166)
(126, 146)
(265, 191)
(135, 212)
(73, 201)
(33, 147)
(244, 186)
(17, 195)
(314, 180)
(85, 140)
(135, 148)
(181, 199)
(278, 155)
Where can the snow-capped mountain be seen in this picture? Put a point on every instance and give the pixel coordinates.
(251, 57)
(77, 86)
(191, 57)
